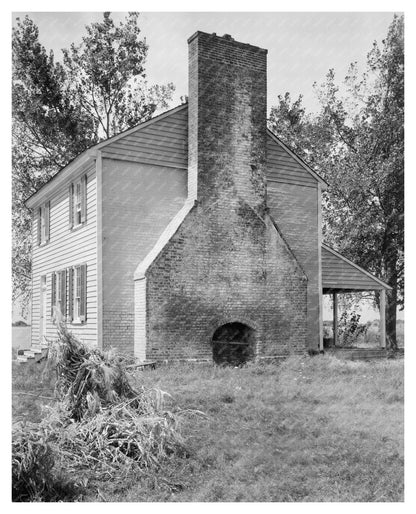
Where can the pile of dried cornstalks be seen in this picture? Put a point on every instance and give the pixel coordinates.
(101, 428)
(89, 379)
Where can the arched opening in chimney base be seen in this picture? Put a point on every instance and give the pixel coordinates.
(233, 344)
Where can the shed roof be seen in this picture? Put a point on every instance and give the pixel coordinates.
(341, 274)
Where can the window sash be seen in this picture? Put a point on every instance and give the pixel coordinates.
(59, 293)
(79, 297)
(43, 223)
(69, 293)
(78, 202)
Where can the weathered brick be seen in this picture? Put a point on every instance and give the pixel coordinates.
(226, 262)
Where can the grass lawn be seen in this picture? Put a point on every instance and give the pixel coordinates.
(311, 429)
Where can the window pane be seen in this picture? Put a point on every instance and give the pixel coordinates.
(42, 224)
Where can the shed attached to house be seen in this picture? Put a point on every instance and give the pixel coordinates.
(340, 275)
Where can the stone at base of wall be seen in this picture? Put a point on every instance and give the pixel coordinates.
(167, 362)
(265, 359)
(277, 359)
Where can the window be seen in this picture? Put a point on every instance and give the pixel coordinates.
(69, 294)
(43, 223)
(78, 202)
(58, 303)
(78, 294)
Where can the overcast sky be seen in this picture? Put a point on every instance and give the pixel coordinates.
(302, 46)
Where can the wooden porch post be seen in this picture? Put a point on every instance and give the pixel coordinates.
(320, 305)
(335, 310)
(383, 318)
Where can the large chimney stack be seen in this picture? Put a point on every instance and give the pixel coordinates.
(227, 121)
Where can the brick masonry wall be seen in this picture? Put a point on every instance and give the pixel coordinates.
(227, 120)
(221, 267)
(118, 329)
(226, 262)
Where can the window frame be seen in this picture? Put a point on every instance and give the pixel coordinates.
(77, 294)
(78, 203)
(59, 296)
(69, 294)
(43, 223)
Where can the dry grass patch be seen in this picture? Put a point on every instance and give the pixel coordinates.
(311, 429)
(102, 428)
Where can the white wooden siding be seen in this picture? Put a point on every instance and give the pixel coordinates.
(283, 168)
(295, 209)
(67, 248)
(164, 143)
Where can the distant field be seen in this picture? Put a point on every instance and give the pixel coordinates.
(311, 429)
(371, 337)
(21, 337)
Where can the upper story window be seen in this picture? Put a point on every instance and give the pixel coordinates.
(78, 202)
(43, 223)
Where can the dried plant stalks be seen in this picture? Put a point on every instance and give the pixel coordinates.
(88, 377)
(100, 428)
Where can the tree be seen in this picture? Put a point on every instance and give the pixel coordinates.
(108, 78)
(60, 109)
(46, 130)
(356, 141)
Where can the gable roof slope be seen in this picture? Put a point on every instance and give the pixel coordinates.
(87, 156)
(300, 161)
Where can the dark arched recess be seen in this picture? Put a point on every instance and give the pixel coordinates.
(233, 344)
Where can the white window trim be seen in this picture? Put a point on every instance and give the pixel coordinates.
(44, 226)
(77, 300)
(58, 297)
(78, 207)
(74, 294)
(77, 203)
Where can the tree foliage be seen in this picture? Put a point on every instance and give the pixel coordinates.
(356, 141)
(61, 108)
(107, 76)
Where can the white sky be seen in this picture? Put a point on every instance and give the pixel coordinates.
(302, 45)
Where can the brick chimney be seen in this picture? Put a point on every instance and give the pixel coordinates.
(227, 121)
(224, 270)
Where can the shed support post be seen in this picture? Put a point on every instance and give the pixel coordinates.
(335, 309)
(383, 318)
